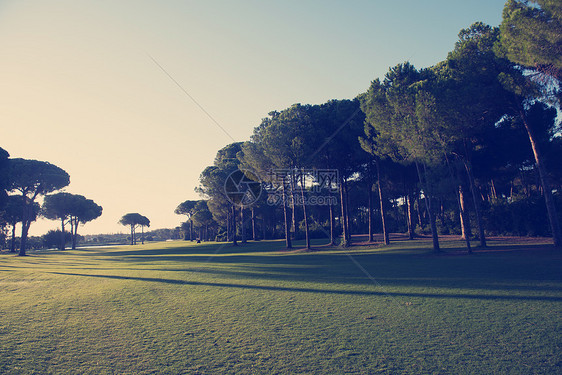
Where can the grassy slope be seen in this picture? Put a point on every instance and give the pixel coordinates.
(175, 307)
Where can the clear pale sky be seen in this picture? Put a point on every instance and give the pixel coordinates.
(79, 87)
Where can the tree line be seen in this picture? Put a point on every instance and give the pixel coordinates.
(22, 183)
(469, 146)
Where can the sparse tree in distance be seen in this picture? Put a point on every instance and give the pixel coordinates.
(57, 207)
(135, 220)
(70, 208)
(84, 210)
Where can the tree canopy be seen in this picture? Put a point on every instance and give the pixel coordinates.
(531, 34)
(72, 208)
(32, 178)
(134, 220)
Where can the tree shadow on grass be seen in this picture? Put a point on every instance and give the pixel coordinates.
(202, 249)
(501, 268)
(323, 291)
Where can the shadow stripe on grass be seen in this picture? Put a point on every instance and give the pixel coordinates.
(329, 291)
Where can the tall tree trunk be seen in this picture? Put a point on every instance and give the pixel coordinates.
(332, 229)
(370, 213)
(294, 207)
(419, 209)
(411, 224)
(306, 234)
(25, 222)
(459, 198)
(347, 216)
(243, 225)
(479, 223)
(385, 235)
(71, 233)
(545, 183)
(464, 217)
(494, 192)
(430, 215)
(288, 243)
(228, 227)
(273, 222)
(442, 213)
(233, 216)
(74, 231)
(62, 236)
(434, 234)
(343, 219)
(13, 244)
(254, 234)
(370, 209)
(132, 235)
(23, 239)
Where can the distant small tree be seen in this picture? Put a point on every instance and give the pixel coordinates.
(58, 207)
(70, 208)
(83, 211)
(135, 220)
(144, 222)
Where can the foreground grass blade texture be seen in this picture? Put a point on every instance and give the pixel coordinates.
(177, 307)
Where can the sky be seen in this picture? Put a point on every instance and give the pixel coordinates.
(134, 98)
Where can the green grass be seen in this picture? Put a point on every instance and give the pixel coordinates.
(170, 308)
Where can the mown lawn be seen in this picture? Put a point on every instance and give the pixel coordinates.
(176, 307)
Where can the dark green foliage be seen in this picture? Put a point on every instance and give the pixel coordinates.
(53, 239)
(72, 208)
(531, 34)
(523, 216)
(33, 177)
(203, 219)
(186, 208)
(212, 186)
(443, 144)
